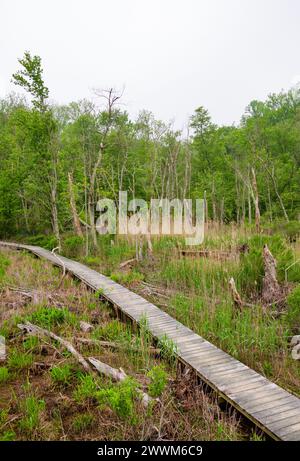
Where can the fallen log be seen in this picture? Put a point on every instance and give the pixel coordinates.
(38, 331)
(125, 263)
(152, 289)
(118, 375)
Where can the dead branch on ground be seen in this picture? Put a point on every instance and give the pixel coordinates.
(41, 332)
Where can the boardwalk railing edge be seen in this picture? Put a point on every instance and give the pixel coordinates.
(271, 408)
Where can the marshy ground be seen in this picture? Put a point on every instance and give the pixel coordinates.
(46, 395)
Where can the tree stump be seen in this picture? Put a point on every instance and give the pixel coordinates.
(271, 290)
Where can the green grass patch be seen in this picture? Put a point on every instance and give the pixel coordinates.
(293, 303)
(83, 422)
(61, 374)
(50, 317)
(86, 389)
(32, 409)
(113, 330)
(4, 375)
(127, 277)
(19, 360)
(4, 263)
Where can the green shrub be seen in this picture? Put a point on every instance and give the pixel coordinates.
(120, 398)
(61, 374)
(158, 378)
(4, 375)
(293, 303)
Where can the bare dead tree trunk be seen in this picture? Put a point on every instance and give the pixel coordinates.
(222, 211)
(279, 196)
(243, 205)
(111, 99)
(249, 208)
(76, 222)
(214, 202)
(256, 201)
(25, 212)
(54, 213)
(187, 171)
(237, 198)
(271, 174)
(205, 208)
(270, 203)
(53, 182)
(91, 196)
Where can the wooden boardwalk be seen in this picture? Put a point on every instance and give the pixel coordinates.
(268, 406)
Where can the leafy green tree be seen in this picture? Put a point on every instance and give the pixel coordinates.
(30, 77)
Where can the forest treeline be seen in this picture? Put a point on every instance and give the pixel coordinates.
(58, 160)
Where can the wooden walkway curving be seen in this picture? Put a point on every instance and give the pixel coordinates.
(268, 406)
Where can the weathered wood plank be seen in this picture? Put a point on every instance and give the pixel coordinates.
(268, 403)
(288, 430)
(283, 423)
(272, 416)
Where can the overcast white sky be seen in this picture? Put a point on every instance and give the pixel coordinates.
(171, 55)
